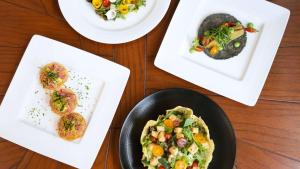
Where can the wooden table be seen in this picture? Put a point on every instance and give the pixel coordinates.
(268, 135)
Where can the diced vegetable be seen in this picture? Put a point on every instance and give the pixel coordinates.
(160, 128)
(161, 136)
(154, 134)
(97, 3)
(168, 123)
(176, 123)
(187, 133)
(178, 130)
(181, 142)
(193, 148)
(168, 136)
(199, 138)
(179, 135)
(164, 162)
(154, 161)
(214, 50)
(157, 150)
(195, 130)
(173, 150)
(180, 164)
(188, 122)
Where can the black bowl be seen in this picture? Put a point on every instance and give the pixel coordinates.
(150, 107)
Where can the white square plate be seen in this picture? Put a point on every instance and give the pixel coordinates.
(27, 119)
(240, 78)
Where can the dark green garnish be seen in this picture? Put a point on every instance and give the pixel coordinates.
(221, 34)
(52, 75)
(164, 162)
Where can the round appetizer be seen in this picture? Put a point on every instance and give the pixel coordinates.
(176, 140)
(63, 101)
(53, 76)
(113, 9)
(221, 36)
(71, 126)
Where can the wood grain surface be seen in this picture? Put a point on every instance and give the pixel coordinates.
(268, 135)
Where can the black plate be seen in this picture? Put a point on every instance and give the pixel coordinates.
(150, 107)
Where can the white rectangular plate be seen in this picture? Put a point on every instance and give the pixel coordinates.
(27, 119)
(240, 78)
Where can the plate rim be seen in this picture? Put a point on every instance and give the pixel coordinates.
(247, 90)
(174, 90)
(88, 146)
(143, 25)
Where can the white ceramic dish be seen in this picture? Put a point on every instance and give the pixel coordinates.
(240, 78)
(82, 17)
(27, 119)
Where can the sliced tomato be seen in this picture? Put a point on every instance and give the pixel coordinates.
(199, 49)
(251, 30)
(229, 24)
(168, 136)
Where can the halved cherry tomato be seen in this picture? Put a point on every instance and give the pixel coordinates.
(250, 29)
(106, 3)
(176, 123)
(168, 136)
(157, 150)
(195, 163)
(153, 139)
(161, 167)
(168, 123)
(199, 49)
(229, 24)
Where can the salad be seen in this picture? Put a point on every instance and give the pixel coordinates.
(176, 140)
(221, 36)
(113, 9)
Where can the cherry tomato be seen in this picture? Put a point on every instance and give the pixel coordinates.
(153, 139)
(161, 167)
(106, 3)
(176, 123)
(195, 164)
(168, 136)
(249, 29)
(199, 49)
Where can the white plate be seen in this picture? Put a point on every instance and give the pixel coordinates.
(83, 18)
(240, 78)
(27, 119)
